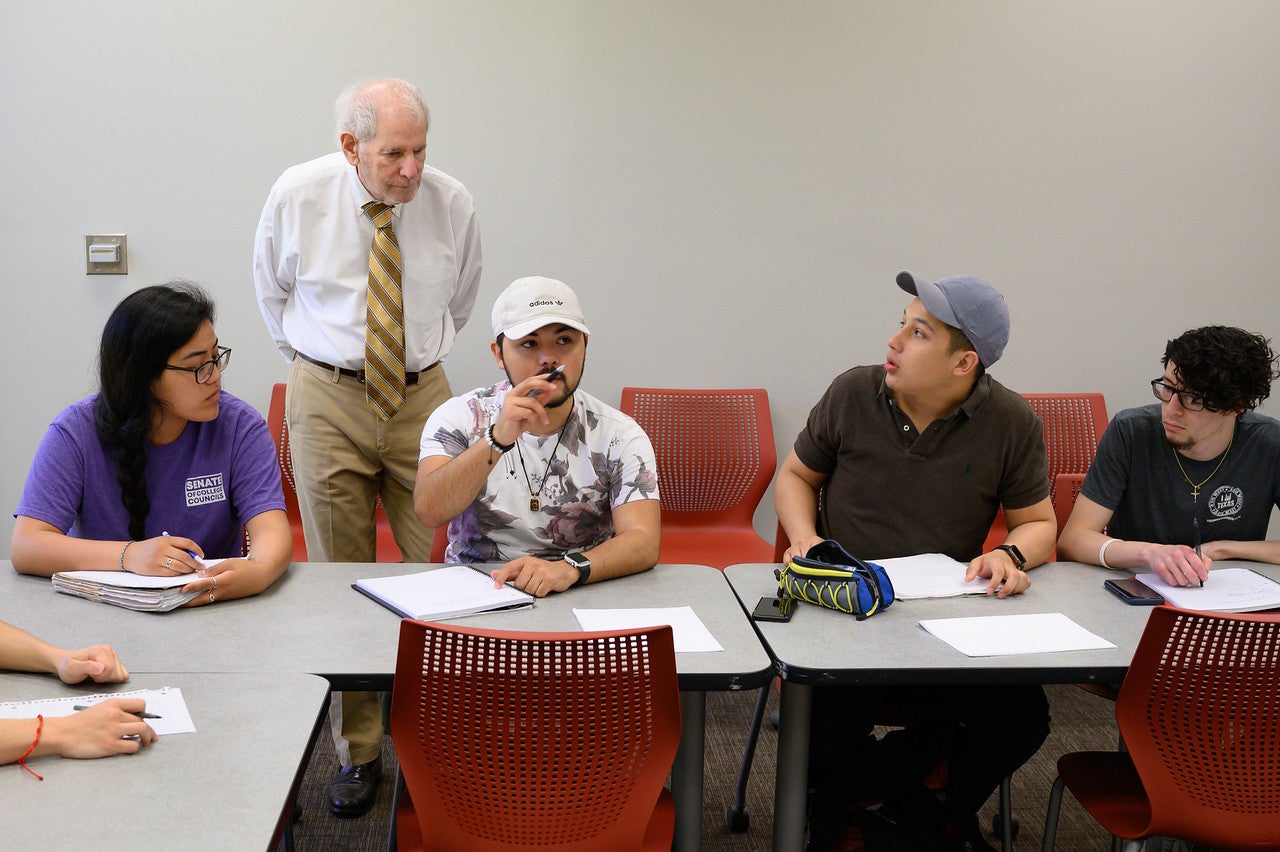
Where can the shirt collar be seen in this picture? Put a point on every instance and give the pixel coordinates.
(973, 402)
(360, 196)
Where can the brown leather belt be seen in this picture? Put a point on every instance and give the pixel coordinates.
(358, 375)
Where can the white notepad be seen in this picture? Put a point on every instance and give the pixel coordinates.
(166, 702)
(448, 592)
(1226, 590)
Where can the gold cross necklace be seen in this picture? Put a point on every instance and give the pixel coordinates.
(1195, 486)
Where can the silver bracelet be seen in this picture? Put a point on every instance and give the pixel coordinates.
(1102, 552)
(122, 552)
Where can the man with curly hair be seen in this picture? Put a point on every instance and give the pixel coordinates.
(533, 472)
(1201, 468)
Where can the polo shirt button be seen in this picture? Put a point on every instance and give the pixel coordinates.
(906, 428)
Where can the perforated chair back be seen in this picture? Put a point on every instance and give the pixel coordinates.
(1073, 425)
(1200, 713)
(1066, 488)
(280, 432)
(386, 549)
(523, 741)
(716, 458)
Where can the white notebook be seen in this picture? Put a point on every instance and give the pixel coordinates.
(447, 592)
(1226, 590)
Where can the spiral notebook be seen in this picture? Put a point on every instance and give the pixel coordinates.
(448, 592)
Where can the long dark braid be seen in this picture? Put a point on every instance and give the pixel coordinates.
(144, 330)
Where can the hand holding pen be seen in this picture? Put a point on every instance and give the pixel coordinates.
(162, 556)
(110, 727)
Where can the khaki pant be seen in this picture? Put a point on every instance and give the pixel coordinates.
(344, 457)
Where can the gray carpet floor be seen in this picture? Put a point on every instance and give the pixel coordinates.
(1080, 722)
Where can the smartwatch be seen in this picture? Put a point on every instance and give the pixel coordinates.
(582, 563)
(1019, 561)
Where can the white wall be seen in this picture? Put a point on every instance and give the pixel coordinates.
(730, 186)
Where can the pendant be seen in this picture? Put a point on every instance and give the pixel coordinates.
(1195, 493)
(534, 503)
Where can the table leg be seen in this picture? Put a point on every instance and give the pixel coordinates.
(686, 772)
(791, 782)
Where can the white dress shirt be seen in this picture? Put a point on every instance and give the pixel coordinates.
(311, 263)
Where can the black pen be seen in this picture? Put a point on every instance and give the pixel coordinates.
(1195, 523)
(142, 714)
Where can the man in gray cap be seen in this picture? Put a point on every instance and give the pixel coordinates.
(912, 456)
(534, 472)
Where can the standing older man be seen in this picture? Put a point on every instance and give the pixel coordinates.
(366, 265)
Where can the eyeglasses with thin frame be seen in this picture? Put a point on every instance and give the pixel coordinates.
(1188, 400)
(204, 372)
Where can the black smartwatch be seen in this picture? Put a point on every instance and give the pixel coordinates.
(1019, 561)
(582, 563)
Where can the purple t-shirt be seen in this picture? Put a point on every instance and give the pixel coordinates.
(203, 486)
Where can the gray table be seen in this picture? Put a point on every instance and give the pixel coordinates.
(312, 621)
(820, 646)
(188, 791)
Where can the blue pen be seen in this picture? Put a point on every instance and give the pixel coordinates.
(190, 553)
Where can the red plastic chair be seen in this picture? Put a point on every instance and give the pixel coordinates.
(716, 458)
(386, 549)
(1073, 425)
(1199, 710)
(534, 741)
(1066, 488)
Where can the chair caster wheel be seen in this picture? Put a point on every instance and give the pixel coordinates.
(997, 828)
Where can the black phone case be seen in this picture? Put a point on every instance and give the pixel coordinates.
(1114, 587)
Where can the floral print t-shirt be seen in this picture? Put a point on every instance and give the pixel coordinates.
(551, 493)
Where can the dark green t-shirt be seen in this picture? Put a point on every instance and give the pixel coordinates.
(892, 491)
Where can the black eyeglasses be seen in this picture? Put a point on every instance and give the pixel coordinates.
(204, 372)
(1188, 400)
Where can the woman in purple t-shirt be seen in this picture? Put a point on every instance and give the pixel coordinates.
(160, 449)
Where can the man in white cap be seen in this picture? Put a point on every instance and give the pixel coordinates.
(533, 472)
(912, 456)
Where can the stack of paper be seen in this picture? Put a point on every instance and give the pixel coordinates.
(131, 591)
(930, 575)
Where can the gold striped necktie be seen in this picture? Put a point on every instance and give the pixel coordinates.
(384, 317)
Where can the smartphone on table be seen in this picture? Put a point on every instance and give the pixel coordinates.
(774, 609)
(1133, 592)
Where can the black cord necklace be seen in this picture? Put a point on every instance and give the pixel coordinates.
(535, 497)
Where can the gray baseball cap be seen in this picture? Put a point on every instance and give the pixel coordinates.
(968, 303)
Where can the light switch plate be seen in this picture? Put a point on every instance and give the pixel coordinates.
(119, 268)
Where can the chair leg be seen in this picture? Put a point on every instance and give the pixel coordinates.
(1006, 813)
(1051, 817)
(396, 791)
(739, 820)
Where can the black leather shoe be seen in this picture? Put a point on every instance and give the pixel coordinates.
(353, 791)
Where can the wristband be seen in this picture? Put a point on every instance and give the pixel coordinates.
(493, 442)
(1102, 552)
(22, 761)
(122, 552)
